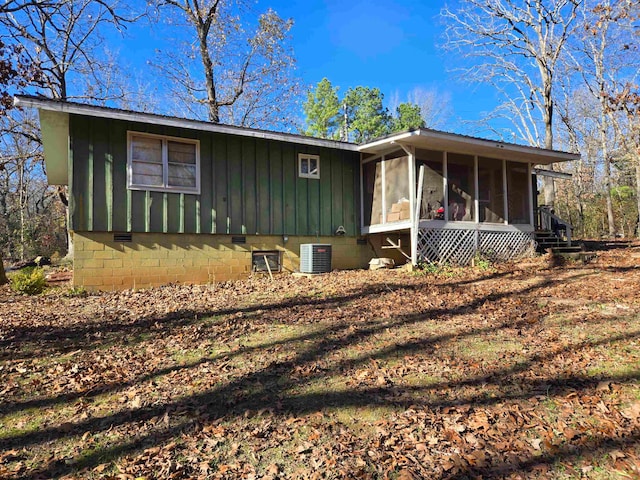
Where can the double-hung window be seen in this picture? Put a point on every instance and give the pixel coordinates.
(161, 163)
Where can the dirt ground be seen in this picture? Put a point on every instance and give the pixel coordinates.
(523, 370)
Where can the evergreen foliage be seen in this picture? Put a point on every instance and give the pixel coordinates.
(408, 117)
(366, 116)
(360, 116)
(30, 281)
(322, 110)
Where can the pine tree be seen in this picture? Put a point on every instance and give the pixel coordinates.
(321, 110)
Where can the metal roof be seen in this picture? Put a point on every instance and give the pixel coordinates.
(456, 143)
(419, 138)
(61, 106)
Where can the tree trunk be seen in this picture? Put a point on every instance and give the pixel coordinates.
(604, 125)
(548, 182)
(3, 275)
(638, 193)
(69, 255)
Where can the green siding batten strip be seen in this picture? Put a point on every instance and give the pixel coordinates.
(147, 211)
(326, 191)
(71, 176)
(204, 202)
(181, 214)
(89, 192)
(289, 175)
(337, 199)
(108, 178)
(302, 205)
(80, 173)
(198, 227)
(220, 178)
(165, 213)
(100, 194)
(121, 210)
(262, 181)
(276, 192)
(313, 203)
(351, 192)
(129, 212)
(234, 188)
(251, 153)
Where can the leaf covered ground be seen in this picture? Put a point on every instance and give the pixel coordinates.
(520, 371)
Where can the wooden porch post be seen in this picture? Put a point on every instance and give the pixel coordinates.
(362, 193)
(384, 188)
(505, 192)
(530, 192)
(476, 188)
(413, 208)
(445, 186)
(476, 204)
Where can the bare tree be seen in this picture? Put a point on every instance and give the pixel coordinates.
(515, 45)
(247, 77)
(435, 106)
(604, 56)
(627, 102)
(63, 38)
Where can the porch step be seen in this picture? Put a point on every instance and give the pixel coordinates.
(560, 249)
(547, 240)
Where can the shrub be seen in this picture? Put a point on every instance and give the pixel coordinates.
(29, 281)
(482, 262)
(77, 292)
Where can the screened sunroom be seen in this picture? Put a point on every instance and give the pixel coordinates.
(456, 196)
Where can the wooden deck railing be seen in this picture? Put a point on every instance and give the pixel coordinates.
(547, 220)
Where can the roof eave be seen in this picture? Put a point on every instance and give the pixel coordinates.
(105, 112)
(455, 143)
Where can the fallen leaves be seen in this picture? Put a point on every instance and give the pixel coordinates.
(348, 375)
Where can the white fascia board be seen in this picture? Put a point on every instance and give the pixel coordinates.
(372, 147)
(150, 118)
(449, 141)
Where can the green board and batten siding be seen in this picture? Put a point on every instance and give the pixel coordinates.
(248, 186)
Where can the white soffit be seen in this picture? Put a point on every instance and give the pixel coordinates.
(55, 142)
(453, 143)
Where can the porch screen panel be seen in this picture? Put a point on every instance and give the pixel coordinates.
(461, 187)
(372, 182)
(433, 186)
(518, 193)
(490, 194)
(397, 189)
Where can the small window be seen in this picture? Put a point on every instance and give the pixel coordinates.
(157, 162)
(308, 166)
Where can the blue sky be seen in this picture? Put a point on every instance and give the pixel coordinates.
(389, 44)
(392, 45)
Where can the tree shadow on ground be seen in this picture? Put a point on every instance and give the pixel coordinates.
(275, 384)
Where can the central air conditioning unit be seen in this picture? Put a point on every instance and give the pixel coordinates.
(315, 258)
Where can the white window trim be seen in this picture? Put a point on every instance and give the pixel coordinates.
(165, 164)
(307, 156)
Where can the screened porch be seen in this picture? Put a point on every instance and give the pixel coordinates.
(474, 197)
